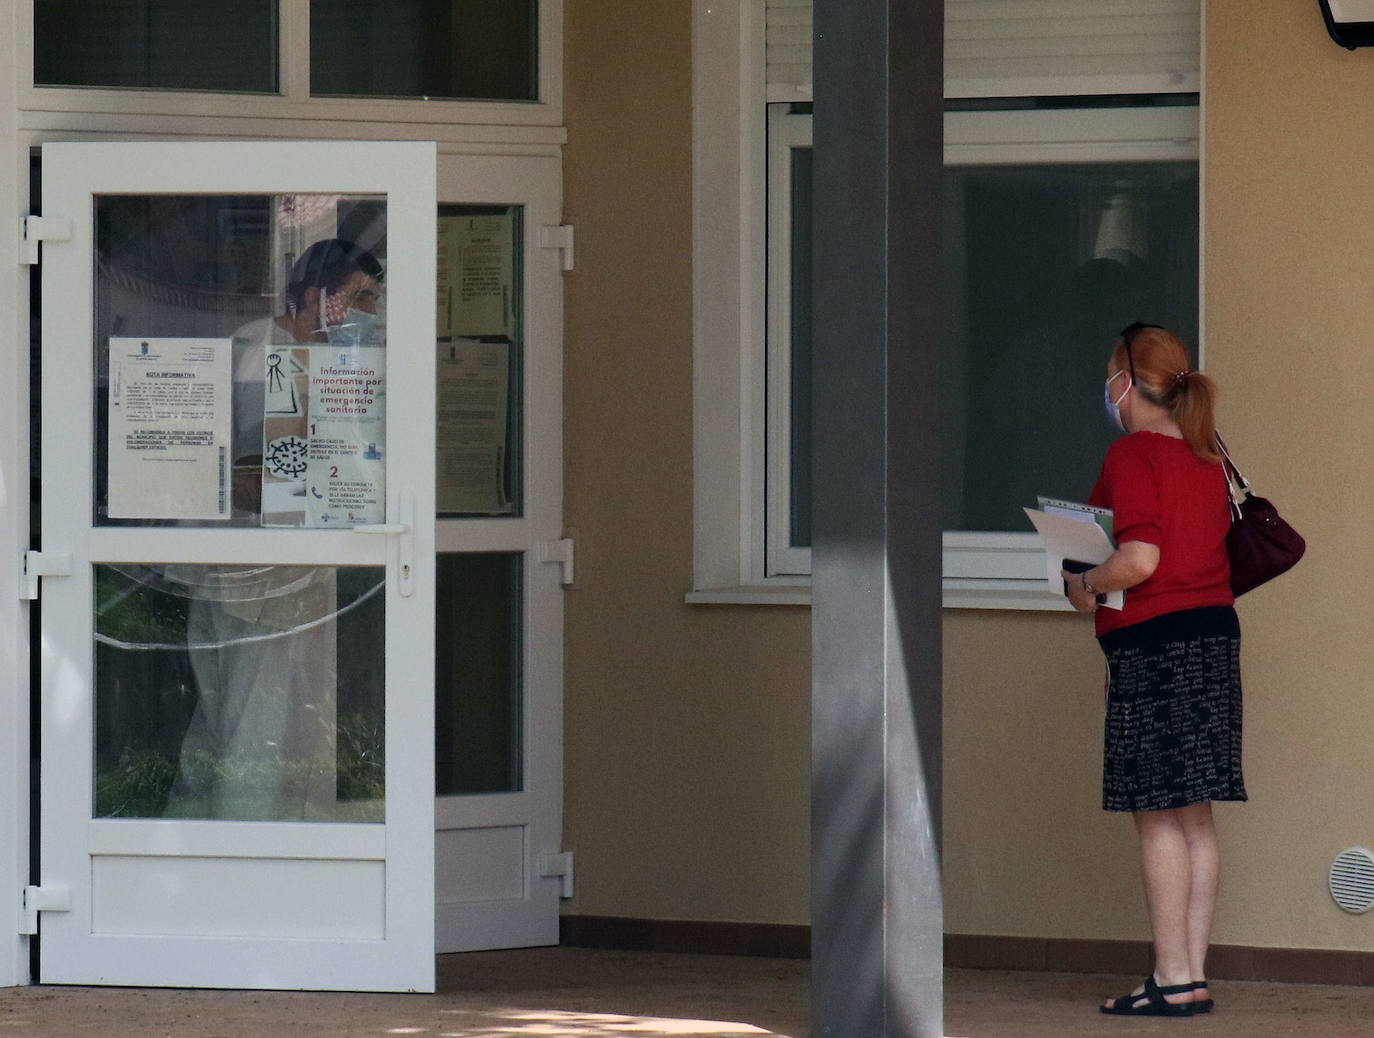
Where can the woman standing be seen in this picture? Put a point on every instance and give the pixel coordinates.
(1173, 725)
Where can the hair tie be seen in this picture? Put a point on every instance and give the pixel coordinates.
(1182, 377)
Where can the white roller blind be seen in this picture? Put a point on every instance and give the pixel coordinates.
(1017, 48)
(789, 50)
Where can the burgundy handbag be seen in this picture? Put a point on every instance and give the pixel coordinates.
(1260, 544)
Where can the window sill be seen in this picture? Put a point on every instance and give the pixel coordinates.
(1002, 594)
(753, 594)
(957, 594)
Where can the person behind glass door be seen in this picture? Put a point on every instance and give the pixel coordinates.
(261, 743)
(1173, 709)
(333, 294)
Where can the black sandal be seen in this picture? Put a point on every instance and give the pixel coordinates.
(1155, 1003)
(1201, 1005)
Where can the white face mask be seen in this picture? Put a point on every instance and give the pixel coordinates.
(1114, 406)
(358, 328)
(349, 326)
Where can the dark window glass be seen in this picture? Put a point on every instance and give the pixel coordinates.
(479, 686)
(229, 45)
(1046, 264)
(800, 526)
(477, 49)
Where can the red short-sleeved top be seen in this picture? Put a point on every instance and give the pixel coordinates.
(1163, 494)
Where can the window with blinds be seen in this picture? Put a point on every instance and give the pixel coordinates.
(1021, 48)
(789, 50)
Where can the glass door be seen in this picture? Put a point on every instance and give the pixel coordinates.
(498, 734)
(238, 458)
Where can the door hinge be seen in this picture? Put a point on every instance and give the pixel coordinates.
(34, 229)
(47, 898)
(559, 866)
(560, 238)
(562, 552)
(35, 564)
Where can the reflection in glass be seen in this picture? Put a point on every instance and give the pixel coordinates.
(480, 367)
(248, 693)
(230, 45)
(479, 683)
(276, 302)
(1046, 264)
(482, 50)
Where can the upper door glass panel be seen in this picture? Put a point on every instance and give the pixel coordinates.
(481, 361)
(229, 45)
(240, 351)
(483, 50)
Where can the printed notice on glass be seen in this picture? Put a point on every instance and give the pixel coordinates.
(477, 274)
(169, 428)
(324, 436)
(474, 387)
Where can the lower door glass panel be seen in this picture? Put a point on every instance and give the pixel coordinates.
(236, 692)
(478, 688)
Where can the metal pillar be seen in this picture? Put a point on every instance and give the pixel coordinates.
(877, 924)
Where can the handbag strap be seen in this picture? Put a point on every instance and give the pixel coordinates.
(1230, 466)
(1233, 478)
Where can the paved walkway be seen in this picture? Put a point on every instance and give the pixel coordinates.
(600, 994)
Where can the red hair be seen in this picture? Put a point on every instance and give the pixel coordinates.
(1158, 363)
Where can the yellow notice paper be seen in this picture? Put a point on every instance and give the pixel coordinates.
(1067, 538)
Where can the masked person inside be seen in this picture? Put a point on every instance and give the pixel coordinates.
(1173, 708)
(262, 741)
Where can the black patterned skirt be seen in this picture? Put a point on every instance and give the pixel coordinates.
(1173, 733)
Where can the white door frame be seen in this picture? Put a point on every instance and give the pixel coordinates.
(403, 958)
(14, 522)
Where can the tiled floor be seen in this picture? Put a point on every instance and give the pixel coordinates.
(600, 994)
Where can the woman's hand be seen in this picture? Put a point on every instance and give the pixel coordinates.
(1129, 565)
(1083, 601)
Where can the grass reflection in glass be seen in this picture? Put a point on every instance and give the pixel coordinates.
(149, 690)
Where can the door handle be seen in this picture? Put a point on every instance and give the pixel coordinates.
(404, 532)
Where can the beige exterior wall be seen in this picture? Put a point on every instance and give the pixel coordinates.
(687, 727)
(1289, 265)
(1290, 270)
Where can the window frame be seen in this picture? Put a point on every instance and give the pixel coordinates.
(787, 131)
(293, 99)
(729, 246)
(985, 570)
(731, 338)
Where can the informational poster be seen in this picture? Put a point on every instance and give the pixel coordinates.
(169, 428)
(477, 274)
(474, 390)
(324, 436)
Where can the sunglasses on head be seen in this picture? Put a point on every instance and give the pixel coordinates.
(1127, 334)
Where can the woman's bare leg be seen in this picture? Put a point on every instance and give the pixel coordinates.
(1166, 867)
(1200, 831)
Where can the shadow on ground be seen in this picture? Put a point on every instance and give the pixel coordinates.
(580, 993)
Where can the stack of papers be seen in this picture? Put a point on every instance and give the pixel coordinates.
(1077, 533)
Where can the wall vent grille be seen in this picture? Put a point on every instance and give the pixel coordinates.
(1351, 879)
